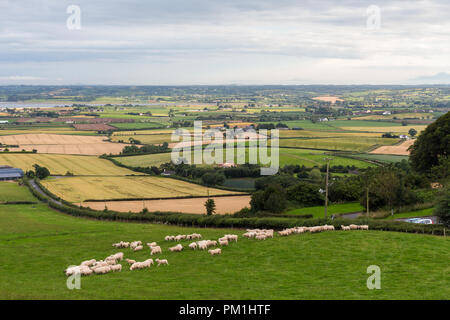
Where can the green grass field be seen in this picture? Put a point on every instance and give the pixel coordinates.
(358, 144)
(11, 191)
(291, 156)
(37, 244)
(411, 214)
(318, 211)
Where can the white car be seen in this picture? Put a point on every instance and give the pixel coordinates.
(420, 220)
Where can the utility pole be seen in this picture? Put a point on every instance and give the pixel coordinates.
(367, 200)
(326, 185)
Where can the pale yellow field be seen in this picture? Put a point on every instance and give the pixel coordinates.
(65, 131)
(62, 144)
(224, 205)
(328, 99)
(60, 164)
(79, 189)
(393, 129)
(400, 150)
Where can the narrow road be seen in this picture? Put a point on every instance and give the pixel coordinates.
(34, 185)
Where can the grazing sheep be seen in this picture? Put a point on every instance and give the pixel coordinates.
(193, 245)
(345, 228)
(102, 270)
(121, 244)
(203, 245)
(149, 262)
(215, 251)
(138, 248)
(135, 244)
(260, 237)
(163, 261)
(233, 237)
(211, 243)
(130, 262)
(177, 248)
(152, 244)
(363, 227)
(88, 263)
(116, 267)
(155, 250)
(100, 264)
(353, 227)
(223, 242)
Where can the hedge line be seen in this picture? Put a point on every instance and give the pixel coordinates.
(230, 221)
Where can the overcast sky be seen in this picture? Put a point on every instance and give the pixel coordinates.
(174, 42)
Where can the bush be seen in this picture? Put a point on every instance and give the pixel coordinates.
(272, 199)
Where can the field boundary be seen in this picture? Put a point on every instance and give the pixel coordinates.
(229, 221)
(170, 198)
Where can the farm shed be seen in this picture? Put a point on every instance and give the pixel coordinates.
(9, 173)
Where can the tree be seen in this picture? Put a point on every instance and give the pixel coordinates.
(433, 143)
(210, 206)
(305, 193)
(442, 209)
(412, 132)
(272, 199)
(41, 172)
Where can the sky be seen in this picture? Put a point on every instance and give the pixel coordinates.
(201, 42)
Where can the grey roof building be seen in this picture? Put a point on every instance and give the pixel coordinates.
(9, 173)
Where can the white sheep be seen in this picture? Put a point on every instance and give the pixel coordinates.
(152, 244)
(193, 245)
(215, 251)
(162, 261)
(155, 250)
(116, 267)
(138, 248)
(223, 242)
(177, 248)
(130, 262)
(345, 228)
(102, 270)
(88, 263)
(203, 245)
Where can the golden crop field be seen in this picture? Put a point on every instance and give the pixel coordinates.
(62, 144)
(224, 205)
(320, 134)
(145, 139)
(79, 189)
(400, 150)
(60, 164)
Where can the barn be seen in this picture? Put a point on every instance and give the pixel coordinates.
(9, 173)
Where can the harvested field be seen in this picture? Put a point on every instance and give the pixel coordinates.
(59, 164)
(401, 149)
(224, 205)
(328, 99)
(93, 127)
(62, 144)
(393, 129)
(79, 189)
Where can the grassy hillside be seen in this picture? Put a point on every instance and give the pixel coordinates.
(37, 244)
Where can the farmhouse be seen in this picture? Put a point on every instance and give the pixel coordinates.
(3, 121)
(9, 173)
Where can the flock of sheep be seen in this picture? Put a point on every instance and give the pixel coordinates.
(111, 263)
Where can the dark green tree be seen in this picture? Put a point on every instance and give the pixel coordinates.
(210, 206)
(432, 144)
